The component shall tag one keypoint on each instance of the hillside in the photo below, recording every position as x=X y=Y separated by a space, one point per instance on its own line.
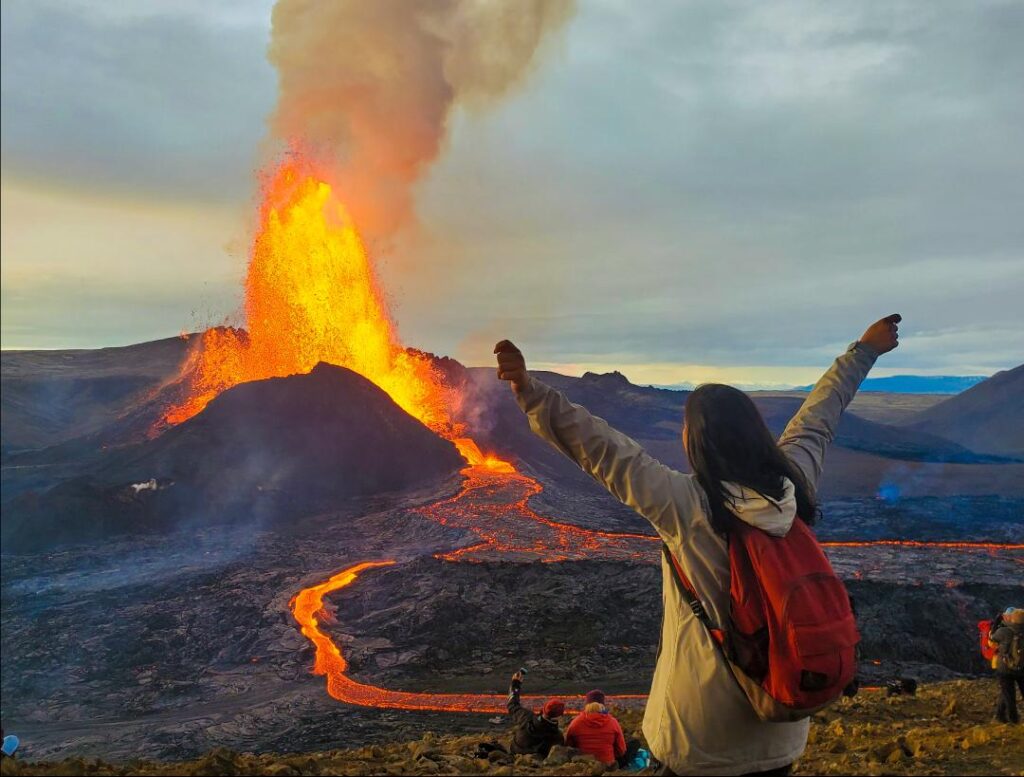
x=988 y=418
x=945 y=729
x=50 y=397
x=94 y=408
x=259 y=451
x=866 y=458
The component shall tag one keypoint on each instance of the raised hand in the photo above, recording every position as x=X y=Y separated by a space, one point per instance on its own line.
x=511 y=365
x=884 y=334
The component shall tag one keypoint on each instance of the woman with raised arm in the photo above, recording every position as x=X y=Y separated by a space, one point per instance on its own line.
x=698 y=720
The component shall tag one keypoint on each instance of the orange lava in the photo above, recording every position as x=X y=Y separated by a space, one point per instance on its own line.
x=933 y=544
x=332 y=664
x=494 y=505
x=311 y=295
x=471 y=452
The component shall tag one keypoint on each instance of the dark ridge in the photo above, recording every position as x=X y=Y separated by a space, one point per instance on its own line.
x=987 y=418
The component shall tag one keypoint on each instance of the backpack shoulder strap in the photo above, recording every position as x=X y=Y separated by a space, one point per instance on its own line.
x=689 y=594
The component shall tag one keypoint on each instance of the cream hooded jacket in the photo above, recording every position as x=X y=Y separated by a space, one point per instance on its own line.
x=698 y=721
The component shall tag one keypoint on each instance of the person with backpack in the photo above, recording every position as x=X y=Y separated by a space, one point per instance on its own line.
x=1008 y=641
x=730 y=693
x=533 y=734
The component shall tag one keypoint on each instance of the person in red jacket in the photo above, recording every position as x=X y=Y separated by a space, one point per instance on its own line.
x=595 y=732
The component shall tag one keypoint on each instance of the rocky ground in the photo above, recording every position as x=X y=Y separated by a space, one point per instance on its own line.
x=432 y=626
x=142 y=648
x=166 y=648
x=946 y=728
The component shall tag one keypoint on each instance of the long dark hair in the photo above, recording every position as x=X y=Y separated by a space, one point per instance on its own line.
x=728 y=440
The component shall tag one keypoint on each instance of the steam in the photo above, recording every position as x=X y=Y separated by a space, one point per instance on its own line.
x=478 y=402
x=367 y=87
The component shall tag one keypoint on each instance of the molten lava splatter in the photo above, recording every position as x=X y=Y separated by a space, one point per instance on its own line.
x=311 y=295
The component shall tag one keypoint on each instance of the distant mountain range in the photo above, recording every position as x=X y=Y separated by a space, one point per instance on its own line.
x=918 y=384
x=896 y=384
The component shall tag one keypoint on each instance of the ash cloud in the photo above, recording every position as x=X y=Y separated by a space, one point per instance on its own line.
x=368 y=88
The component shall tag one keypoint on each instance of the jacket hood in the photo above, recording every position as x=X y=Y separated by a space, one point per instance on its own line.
x=597 y=720
x=769 y=515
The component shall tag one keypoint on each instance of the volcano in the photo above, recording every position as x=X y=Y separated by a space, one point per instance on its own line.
x=269 y=449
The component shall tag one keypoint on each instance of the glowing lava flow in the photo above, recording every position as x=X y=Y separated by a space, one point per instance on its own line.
x=932 y=544
x=494 y=506
x=330 y=662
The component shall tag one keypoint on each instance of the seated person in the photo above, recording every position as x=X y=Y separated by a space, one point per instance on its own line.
x=533 y=734
x=598 y=733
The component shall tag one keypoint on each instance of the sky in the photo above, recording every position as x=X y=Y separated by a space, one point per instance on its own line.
x=683 y=191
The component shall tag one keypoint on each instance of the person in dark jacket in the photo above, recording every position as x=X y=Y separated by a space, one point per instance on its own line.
x=1008 y=640
x=533 y=734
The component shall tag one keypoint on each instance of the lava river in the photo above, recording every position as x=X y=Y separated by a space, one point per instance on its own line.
x=493 y=504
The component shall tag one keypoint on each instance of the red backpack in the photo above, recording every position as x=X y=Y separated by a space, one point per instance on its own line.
x=988 y=650
x=791 y=638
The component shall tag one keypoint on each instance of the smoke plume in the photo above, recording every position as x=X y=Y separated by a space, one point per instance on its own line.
x=366 y=87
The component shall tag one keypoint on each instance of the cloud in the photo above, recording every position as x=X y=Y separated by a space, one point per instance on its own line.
x=745 y=183
x=86 y=271
x=724 y=184
x=160 y=99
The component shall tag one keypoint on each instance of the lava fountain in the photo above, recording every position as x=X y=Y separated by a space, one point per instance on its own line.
x=311 y=295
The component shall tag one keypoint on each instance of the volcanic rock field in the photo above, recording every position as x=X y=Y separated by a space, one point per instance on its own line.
x=148 y=574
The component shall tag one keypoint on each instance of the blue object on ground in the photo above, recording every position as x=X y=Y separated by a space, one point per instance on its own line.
x=10 y=744
x=641 y=760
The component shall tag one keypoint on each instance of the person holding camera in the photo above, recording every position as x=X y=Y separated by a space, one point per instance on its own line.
x=533 y=734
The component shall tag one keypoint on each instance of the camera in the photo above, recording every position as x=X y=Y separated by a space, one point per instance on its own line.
x=901 y=686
